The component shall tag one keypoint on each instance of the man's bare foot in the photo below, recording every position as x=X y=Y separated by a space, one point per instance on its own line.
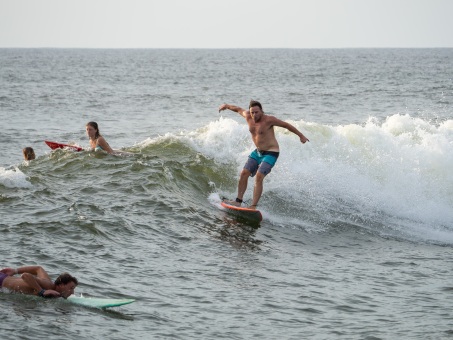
x=253 y=207
x=236 y=204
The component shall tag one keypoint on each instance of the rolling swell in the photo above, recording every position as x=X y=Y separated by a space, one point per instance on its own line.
x=104 y=196
x=349 y=177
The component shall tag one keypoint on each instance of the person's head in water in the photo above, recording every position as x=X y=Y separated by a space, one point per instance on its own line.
x=92 y=130
x=29 y=153
x=65 y=285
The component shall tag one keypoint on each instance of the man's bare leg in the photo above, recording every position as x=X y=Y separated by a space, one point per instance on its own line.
x=257 y=190
x=242 y=185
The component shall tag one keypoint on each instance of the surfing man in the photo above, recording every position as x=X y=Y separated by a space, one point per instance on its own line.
x=34 y=280
x=263 y=158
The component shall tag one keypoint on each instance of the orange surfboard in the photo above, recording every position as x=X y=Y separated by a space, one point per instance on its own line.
x=247 y=213
x=56 y=145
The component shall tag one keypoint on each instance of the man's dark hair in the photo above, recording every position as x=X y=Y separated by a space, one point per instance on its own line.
x=65 y=278
x=255 y=103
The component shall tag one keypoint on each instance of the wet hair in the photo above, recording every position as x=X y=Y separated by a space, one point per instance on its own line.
x=29 y=153
x=95 y=126
x=65 y=278
x=255 y=103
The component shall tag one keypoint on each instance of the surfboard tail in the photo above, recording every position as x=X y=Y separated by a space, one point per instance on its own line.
x=247 y=213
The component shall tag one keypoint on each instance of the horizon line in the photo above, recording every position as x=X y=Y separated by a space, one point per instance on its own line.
x=223 y=48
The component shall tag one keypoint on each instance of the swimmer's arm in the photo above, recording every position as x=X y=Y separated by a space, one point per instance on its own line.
x=9 y=271
x=32 y=282
x=104 y=145
x=34 y=270
x=41 y=287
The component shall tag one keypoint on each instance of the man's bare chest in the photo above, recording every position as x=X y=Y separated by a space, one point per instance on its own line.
x=260 y=129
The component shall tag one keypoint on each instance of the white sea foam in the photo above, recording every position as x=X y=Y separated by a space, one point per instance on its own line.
x=398 y=168
x=396 y=172
x=13 y=178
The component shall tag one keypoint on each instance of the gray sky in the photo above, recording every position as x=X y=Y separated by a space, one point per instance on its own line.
x=226 y=23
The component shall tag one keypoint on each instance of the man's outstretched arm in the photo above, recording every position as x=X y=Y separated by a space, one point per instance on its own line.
x=234 y=108
x=290 y=128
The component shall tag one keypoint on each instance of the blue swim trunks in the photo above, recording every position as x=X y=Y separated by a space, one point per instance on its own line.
x=261 y=161
x=2 y=277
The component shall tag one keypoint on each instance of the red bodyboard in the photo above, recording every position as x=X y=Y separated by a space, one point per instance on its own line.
x=55 y=145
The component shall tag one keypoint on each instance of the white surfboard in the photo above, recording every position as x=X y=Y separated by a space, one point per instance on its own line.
x=98 y=302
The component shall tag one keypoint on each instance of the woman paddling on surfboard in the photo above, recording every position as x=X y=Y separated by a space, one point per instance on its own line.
x=97 y=142
x=263 y=158
x=34 y=280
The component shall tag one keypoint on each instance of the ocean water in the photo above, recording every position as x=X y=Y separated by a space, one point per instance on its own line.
x=357 y=236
